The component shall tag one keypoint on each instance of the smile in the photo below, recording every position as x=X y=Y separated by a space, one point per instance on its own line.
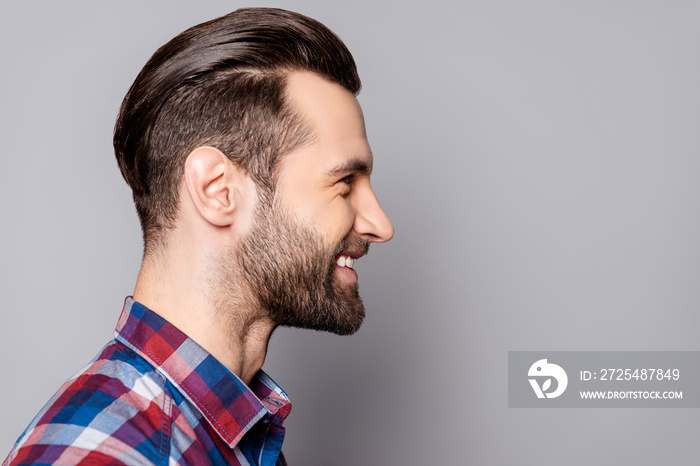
x=345 y=261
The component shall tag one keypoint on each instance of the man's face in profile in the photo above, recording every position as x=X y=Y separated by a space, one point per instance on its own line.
x=298 y=258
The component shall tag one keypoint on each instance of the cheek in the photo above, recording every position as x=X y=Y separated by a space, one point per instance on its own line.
x=340 y=219
x=329 y=213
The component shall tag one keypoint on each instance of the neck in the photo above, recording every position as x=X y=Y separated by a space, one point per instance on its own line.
x=222 y=321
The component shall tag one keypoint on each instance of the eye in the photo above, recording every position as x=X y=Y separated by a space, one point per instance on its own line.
x=345 y=184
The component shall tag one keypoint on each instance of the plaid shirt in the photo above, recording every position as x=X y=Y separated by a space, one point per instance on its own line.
x=153 y=396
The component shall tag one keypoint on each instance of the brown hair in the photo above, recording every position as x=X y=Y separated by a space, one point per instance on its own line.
x=220 y=83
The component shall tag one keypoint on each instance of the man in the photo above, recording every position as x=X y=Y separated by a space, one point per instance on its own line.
x=246 y=152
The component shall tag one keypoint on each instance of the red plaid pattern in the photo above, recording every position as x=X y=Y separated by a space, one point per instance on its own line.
x=153 y=396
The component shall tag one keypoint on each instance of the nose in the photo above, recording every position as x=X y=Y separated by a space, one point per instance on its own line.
x=370 y=220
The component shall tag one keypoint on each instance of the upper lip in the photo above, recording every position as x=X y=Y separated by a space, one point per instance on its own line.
x=353 y=254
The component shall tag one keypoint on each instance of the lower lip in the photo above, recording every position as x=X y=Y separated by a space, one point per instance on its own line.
x=347 y=273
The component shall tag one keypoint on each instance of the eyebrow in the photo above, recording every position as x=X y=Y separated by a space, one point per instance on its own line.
x=355 y=165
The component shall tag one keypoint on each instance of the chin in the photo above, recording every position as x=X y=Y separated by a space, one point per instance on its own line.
x=342 y=316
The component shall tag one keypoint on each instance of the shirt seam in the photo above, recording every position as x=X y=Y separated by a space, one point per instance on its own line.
x=166 y=423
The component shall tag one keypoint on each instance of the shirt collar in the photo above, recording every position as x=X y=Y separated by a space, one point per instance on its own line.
x=225 y=401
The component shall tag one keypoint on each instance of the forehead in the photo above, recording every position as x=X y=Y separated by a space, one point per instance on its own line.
x=334 y=116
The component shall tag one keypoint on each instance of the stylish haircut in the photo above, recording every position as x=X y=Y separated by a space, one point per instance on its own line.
x=222 y=84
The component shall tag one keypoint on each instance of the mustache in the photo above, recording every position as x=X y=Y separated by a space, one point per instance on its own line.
x=353 y=243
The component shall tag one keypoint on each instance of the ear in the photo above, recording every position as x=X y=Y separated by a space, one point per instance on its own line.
x=211 y=181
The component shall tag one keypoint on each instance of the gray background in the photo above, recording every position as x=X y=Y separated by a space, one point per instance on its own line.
x=539 y=160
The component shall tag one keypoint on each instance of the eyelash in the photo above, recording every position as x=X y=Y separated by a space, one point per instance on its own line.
x=346 y=180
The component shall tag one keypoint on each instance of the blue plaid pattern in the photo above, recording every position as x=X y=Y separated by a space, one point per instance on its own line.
x=153 y=396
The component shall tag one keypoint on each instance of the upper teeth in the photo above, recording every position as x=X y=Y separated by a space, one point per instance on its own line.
x=345 y=261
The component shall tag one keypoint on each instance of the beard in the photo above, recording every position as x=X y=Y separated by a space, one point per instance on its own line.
x=288 y=269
